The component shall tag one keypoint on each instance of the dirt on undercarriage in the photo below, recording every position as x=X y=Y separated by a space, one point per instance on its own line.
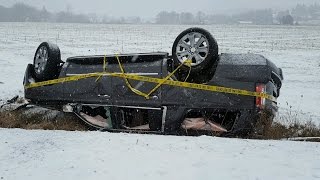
x=40 y=118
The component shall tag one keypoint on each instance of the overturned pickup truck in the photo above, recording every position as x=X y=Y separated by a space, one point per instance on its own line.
x=193 y=90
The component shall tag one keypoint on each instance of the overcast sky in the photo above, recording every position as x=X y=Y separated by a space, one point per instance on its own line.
x=149 y=8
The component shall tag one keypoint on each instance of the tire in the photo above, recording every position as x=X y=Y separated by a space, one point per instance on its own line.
x=46 y=61
x=198 y=45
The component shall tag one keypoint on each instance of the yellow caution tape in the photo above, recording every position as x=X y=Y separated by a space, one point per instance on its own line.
x=136 y=91
x=188 y=62
x=158 y=81
x=195 y=86
x=61 y=80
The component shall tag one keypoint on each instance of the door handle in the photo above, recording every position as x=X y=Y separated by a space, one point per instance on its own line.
x=154 y=97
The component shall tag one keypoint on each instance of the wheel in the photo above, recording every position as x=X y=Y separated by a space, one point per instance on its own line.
x=195 y=44
x=46 y=61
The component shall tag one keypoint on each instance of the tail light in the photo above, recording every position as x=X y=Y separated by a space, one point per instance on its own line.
x=260 y=102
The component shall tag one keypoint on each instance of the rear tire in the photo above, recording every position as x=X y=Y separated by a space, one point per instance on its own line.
x=46 y=61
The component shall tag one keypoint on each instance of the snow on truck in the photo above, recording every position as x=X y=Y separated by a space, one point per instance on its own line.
x=195 y=89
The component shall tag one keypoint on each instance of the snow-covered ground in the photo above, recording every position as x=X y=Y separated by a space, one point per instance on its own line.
x=94 y=155
x=295 y=49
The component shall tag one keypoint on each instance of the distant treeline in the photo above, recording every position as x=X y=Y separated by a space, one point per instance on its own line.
x=21 y=12
x=264 y=16
x=24 y=13
x=255 y=17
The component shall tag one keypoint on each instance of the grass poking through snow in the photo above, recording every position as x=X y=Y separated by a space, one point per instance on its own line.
x=67 y=122
x=295 y=129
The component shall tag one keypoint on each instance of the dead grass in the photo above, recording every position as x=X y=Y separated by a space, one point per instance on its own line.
x=67 y=122
x=290 y=127
x=295 y=129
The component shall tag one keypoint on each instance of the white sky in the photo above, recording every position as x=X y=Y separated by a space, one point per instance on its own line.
x=149 y=8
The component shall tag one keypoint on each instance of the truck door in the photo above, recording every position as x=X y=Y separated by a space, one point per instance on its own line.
x=88 y=90
x=141 y=65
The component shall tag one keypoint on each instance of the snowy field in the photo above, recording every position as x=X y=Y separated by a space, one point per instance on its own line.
x=295 y=49
x=95 y=155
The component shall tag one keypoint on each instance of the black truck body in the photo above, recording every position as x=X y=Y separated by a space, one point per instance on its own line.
x=168 y=106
